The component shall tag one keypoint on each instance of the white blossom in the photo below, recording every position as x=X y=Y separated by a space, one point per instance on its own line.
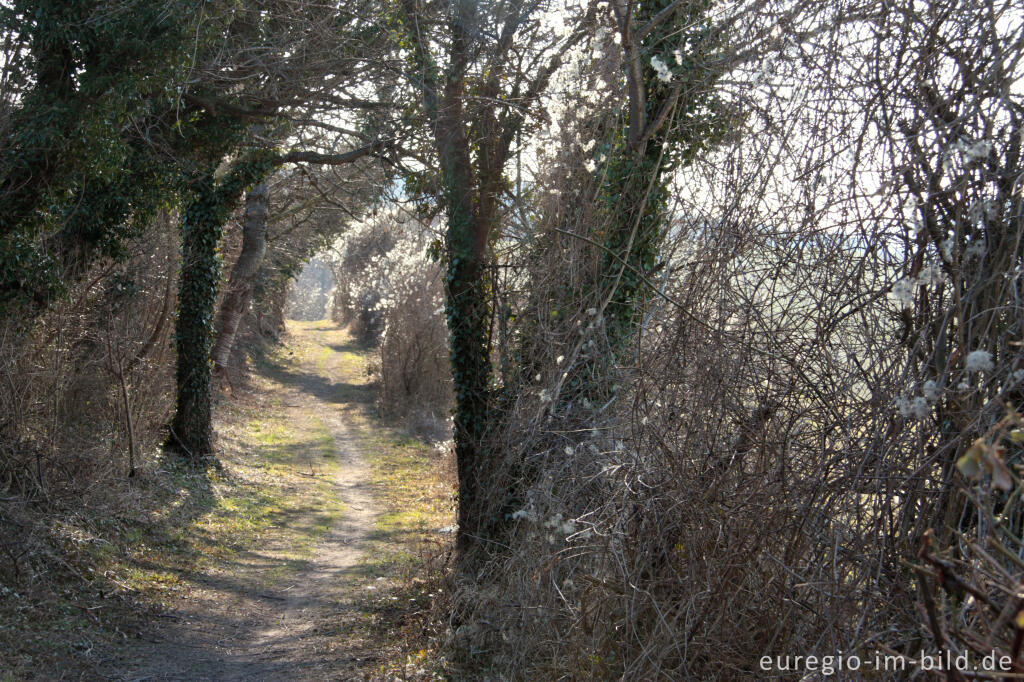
x=557 y=24
x=973 y=151
x=919 y=408
x=932 y=275
x=903 y=405
x=918 y=225
x=978 y=361
x=903 y=292
x=913 y=408
x=524 y=514
x=555 y=521
x=664 y=75
x=976 y=249
x=946 y=250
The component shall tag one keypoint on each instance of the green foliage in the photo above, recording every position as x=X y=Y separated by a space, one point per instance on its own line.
x=100 y=133
x=210 y=205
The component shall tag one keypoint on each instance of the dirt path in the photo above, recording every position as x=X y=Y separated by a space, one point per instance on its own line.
x=274 y=612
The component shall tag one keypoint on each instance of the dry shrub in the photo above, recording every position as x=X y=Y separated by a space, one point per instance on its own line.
x=69 y=373
x=970 y=583
x=388 y=290
x=415 y=380
x=85 y=395
x=357 y=294
x=836 y=322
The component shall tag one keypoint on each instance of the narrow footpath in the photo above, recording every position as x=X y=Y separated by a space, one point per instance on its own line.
x=318 y=551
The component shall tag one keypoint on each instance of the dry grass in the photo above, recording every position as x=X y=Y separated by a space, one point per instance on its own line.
x=152 y=544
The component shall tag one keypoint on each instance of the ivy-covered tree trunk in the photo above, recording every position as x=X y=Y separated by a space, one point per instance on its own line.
x=254 y=248
x=472 y=138
x=468 y=313
x=635 y=198
x=673 y=113
x=201 y=229
x=467 y=304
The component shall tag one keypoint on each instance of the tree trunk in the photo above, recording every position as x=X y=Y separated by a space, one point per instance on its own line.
x=201 y=229
x=472 y=184
x=468 y=315
x=254 y=247
x=470 y=220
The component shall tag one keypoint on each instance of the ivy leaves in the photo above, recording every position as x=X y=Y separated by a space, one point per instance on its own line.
x=210 y=205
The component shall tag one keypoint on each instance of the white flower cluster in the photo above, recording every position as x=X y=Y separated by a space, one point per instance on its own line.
x=388 y=276
x=577 y=94
x=973 y=151
x=967 y=151
x=919 y=407
x=976 y=249
x=556 y=524
x=524 y=515
x=978 y=361
x=904 y=290
x=946 y=249
x=916 y=408
x=661 y=69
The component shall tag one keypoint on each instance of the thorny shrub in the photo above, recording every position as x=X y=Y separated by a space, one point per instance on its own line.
x=836 y=324
x=389 y=290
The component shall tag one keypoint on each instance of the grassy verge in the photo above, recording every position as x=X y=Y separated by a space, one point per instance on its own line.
x=412 y=546
x=100 y=576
